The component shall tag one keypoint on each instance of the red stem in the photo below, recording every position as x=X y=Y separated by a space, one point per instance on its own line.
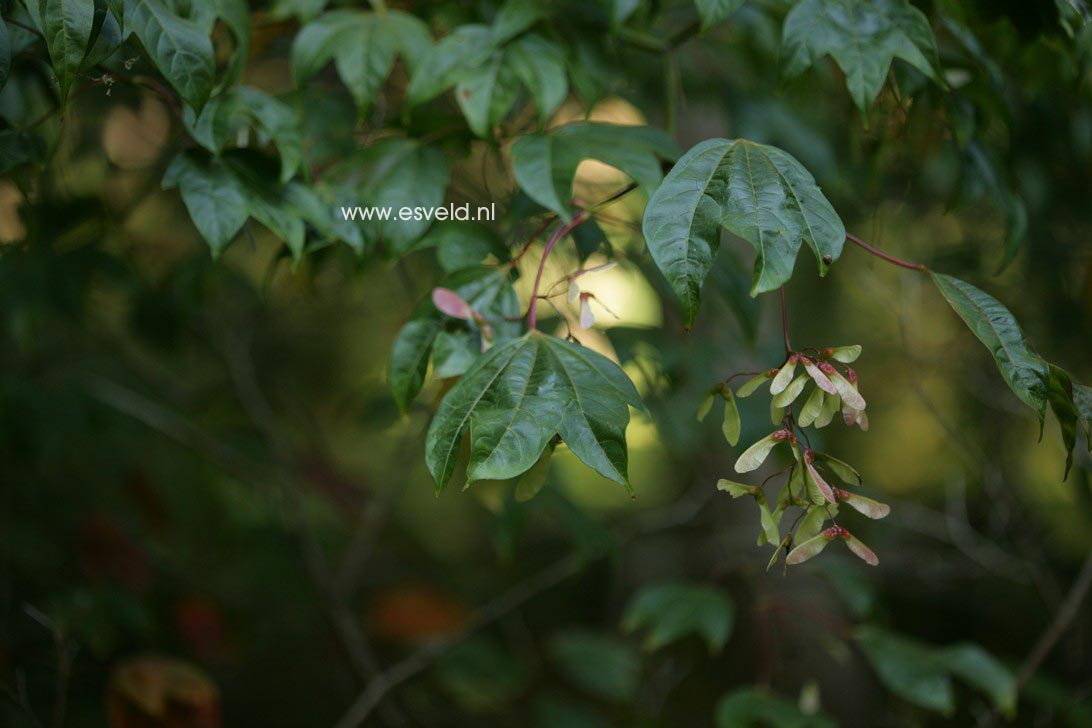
x=785 y=320
x=527 y=246
x=884 y=256
x=562 y=231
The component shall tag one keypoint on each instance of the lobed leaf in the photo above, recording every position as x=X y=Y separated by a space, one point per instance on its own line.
x=519 y=396
x=242 y=107
x=462 y=244
x=487 y=291
x=977 y=667
x=1060 y=397
x=755 y=191
x=177 y=47
x=396 y=172
x=363 y=47
x=545 y=164
x=216 y=199
x=863 y=37
x=67 y=28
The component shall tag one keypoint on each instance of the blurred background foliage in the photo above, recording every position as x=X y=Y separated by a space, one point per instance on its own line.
x=214 y=513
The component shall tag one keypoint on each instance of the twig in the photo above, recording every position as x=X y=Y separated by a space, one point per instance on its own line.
x=501 y=606
x=420 y=660
x=1062 y=621
x=884 y=256
x=53 y=112
x=559 y=233
x=241 y=367
x=785 y=320
x=530 y=241
x=581 y=217
x=612 y=198
x=179 y=429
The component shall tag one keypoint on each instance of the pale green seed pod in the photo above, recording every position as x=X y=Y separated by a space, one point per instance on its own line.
x=777 y=552
x=812 y=522
x=810 y=548
x=796 y=484
x=864 y=553
x=769 y=523
x=789 y=394
x=705 y=406
x=865 y=506
x=841 y=468
x=753 y=457
x=751 y=385
x=821 y=380
x=784 y=375
x=832 y=404
x=813 y=407
x=735 y=489
x=845 y=354
x=848 y=392
x=819 y=490
x=732 y=425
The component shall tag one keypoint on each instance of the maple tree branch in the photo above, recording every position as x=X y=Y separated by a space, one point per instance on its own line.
x=884 y=256
x=1062 y=621
x=785 y=320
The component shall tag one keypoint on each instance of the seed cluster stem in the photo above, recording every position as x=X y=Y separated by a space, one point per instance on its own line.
x=558 y=234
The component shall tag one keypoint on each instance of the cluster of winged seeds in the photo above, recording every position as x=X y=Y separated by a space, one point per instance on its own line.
x=808 y=492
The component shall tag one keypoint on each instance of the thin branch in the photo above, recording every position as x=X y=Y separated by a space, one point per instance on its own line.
x=1062 y=621
x=501 y=606
x=420 y=660
x=182 y=431
x=612 y=198
x=236 y=351
x=59 y=107
x=562 y=231
x=530 y=241
x=581 y=217
x=785 y=320
x=884 y=256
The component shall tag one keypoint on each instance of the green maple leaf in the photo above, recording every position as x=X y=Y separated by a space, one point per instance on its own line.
x=522 y=394
x=863 y=37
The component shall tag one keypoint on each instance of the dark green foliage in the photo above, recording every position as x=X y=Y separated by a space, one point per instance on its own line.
x=224 y=389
